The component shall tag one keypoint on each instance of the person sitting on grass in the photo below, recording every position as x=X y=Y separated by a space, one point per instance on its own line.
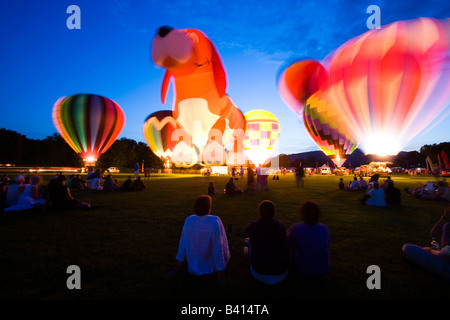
x=126 y=186
x=110 y=185
x=231 y=188
x=363 y=183
x=268 y=247
x=309 y=242
x=59 y=196
x=212 y=189
x=15 y=190
x=375 y=196
x=203 y=243
x=393 y=195
x=433 y=260
x=77 y=183
x=137 y=184
x=341 y=184
x=354 y=184
x=30 y=197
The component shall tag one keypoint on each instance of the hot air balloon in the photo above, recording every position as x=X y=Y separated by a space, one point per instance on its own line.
x=299 y=80
x=391 y=84
x=200 y=103
x=158 y=129
x=261 y=135
x=328 y=128
x=89 y=123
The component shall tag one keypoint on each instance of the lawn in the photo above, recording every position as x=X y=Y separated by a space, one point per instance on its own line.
x=126 y=246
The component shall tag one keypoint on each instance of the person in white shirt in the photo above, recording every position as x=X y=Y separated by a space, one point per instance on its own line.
x=203 y=243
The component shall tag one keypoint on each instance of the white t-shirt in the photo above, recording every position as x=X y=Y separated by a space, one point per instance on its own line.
x=203 y=244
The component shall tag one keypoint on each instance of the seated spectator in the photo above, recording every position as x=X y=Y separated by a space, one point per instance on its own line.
x=110 y=185
x=126 y=186
x=375 y=196
x=386 y=182
x=341 y=184
x=231 y=187
x=77 y=183
x=14 y=190
x=69 y=181
x=392 y=195
x=212 y=189
x=268 y=247
x=309 y=241
x=363 y=183
x=433 y=260
x=137 y=184
x=442 y=192
x=374 y=178
x=59 y=196
x=427 y=192
x=30 y=197
x=203 y=243
x=354 y=185
x=93 y=180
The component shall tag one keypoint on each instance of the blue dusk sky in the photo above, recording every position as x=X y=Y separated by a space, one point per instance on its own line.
x=42 y=60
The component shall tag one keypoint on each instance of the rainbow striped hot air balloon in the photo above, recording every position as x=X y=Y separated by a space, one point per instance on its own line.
x=89 y=123
x=261 y=135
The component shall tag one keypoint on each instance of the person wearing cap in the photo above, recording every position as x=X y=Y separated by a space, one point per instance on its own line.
x=14 y=190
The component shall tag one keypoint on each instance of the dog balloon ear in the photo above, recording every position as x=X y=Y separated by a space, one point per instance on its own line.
x=218 y=71
x=165 y=86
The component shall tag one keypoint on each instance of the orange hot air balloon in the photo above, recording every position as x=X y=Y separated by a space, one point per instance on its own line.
x=299 y=81
x=261 y=135
x=200 y=104
x=89 y=123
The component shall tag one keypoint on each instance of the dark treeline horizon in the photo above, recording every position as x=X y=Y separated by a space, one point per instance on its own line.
x=53 y=151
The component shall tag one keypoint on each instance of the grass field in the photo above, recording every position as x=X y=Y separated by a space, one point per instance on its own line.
x=125 y=247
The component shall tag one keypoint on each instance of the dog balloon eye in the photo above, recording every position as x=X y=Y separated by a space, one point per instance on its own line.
x=164 y=30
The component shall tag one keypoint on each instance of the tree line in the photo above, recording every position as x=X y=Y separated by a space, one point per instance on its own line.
x=53 y=151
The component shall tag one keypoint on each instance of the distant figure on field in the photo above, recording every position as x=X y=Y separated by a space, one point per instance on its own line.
x=212 y=189
x=299 y=175
x=231 y=188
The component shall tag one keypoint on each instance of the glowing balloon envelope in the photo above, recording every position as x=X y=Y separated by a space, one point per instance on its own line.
x=328 y=128
x=392 y=83
x=89 y=123
x=261 y=135
x=389 y=84
x=200 y=104
x=158 y=129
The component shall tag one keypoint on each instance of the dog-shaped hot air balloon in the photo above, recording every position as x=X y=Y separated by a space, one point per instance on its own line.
x=200 y=104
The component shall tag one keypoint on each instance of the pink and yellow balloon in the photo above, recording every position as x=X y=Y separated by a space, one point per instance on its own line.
x=262 y=130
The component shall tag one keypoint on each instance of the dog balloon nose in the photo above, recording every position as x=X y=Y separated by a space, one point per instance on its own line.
x=164 y=31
